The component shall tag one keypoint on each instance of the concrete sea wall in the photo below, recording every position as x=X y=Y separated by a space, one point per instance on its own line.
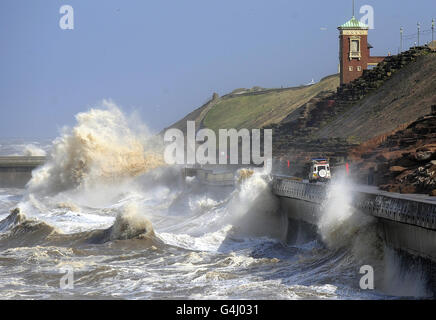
x=15 y=172
x=405 y=223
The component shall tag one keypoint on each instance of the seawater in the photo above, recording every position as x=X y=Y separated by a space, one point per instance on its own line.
x=128 y=226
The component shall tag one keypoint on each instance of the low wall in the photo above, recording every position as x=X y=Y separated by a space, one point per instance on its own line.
x=15 y=172
x=209 y=177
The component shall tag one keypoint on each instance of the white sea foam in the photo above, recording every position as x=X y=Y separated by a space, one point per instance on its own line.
x=32 y=150
x=106 y=172
x=101 y=148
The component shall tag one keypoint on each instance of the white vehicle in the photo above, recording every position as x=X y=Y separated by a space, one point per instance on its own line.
x=319 y=171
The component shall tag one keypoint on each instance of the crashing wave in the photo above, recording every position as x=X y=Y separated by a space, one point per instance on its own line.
x=102 y=148
x=130 y=224
x=18 y=230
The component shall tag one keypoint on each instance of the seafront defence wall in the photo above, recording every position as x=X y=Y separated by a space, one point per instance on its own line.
x=211 y=178
x=404 y=223
x=15 y=172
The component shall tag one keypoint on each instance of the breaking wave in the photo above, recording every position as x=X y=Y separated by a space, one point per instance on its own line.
x=19 y=147
x=19 y=230
x=345 y=229
x=131 y=224
x=101 y=148
x=341 y=225
x=106 y=205
x=31 y=150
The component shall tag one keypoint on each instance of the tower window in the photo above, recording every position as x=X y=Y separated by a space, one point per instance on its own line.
x=350 y=68
x=359 y=68
x=355 y=46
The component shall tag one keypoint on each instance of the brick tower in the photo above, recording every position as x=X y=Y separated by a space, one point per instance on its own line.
x=354 y=50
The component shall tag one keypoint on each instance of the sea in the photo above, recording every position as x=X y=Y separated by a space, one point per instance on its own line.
x=106 y=218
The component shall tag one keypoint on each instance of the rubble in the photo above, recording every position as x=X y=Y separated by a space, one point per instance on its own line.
x=406 y=161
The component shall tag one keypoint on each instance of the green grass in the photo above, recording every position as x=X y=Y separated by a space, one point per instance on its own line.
x=256 y=111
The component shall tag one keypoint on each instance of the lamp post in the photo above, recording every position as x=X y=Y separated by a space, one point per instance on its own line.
x=419 y=30
x=432 y=30
x=401 y=39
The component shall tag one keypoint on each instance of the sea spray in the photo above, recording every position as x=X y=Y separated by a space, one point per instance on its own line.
x=91 y=171
x=101 y=148
x=340 y=222
x=213 y=264
x=344 y=227
x=250 y=211
x=253 y=207
x=21 y=147
x=214 y=246
x=404 y=275
x=131 y=223
x=30 y=150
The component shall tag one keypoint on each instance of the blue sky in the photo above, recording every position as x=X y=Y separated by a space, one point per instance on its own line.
x=164 y=58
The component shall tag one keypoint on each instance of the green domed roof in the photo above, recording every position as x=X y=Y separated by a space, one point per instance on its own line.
x=353 y=24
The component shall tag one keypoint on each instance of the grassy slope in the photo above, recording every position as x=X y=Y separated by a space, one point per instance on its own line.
x=197 y=115
x=257 y=110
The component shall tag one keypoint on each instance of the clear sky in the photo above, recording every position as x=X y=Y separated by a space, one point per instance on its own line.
x=164 y=58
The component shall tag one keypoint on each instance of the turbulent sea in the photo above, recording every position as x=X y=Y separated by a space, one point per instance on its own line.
x=106 y=210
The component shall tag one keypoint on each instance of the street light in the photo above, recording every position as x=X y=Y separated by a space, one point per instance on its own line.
x=401 y=39
x=432 y=30
x=419 y=29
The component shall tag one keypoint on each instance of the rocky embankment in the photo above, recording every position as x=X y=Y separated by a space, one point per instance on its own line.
x=372 y=108
x=404 y=161
x=301 y=127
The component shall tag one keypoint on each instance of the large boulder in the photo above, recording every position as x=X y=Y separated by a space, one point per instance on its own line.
x=405 y=161
x=423 y=155
x=397 y=169
x=390 y=187
x=408 y=188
